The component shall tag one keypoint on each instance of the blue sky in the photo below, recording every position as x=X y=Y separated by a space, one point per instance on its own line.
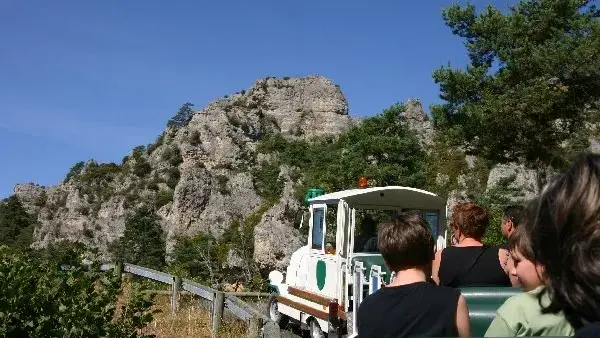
x=93 y=79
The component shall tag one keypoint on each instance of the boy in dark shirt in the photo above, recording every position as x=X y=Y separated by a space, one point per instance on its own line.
x=409 y=306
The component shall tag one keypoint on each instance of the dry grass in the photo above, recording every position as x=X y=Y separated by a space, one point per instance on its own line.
x=191 y=320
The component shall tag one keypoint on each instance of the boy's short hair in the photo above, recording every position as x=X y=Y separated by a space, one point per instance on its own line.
x=405 y=241
x=521 y=241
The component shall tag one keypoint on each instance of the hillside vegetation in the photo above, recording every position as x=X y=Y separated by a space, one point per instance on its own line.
x=55 y=295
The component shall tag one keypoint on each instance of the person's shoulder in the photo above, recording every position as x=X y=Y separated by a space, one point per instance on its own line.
x=448 y=251
x=373 y=299
x=444 y=289
x=520 y=304
x=441 y=292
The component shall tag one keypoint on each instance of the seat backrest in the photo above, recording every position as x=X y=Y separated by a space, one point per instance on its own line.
x=483 y=302
x=370 y=259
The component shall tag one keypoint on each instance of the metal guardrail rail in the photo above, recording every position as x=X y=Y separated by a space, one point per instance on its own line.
x=259 y=325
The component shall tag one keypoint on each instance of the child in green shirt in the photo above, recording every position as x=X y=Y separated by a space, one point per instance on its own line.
x=521 y=315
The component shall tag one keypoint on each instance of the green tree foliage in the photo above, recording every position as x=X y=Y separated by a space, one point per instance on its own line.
x=532 y=84
x=182 y=117
x=63 y=298
x=267 y=182
x=381 y=147
x=204 y=258
x=143 y=241
x=75 y=170
x=198 y=257
x=97 y=173
x=494 y=200
x=239 y=240
x=172 y=155
x=16 y=225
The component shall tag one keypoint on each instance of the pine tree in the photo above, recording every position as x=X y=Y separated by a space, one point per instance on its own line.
x=142 y=242
x=530 y=93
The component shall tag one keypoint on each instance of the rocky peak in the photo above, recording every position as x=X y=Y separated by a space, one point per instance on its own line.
x=417 y=120
x=31 y=195
x=296 y=107
x=414 y=111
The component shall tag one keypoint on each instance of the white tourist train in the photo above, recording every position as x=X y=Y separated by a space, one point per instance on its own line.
x=326 y=280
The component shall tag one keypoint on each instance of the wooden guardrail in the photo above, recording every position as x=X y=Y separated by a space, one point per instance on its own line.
x=259 y=325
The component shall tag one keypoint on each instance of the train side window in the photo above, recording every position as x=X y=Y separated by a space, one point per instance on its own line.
x=317 y=228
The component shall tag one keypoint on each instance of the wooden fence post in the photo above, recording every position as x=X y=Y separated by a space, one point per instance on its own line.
x=175 y=293
x=217 y=311
x=119 y=269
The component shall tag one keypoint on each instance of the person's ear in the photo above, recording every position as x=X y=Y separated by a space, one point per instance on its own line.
x=541 y=272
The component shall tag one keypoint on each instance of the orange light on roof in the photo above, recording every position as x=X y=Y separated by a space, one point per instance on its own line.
x=363 y=182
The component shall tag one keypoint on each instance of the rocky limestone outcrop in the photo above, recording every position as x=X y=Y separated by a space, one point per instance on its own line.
x=518 y=178
x=275 y=238
x=31 y=195
x=417 y=120
x=320 y=107
x=197 y=174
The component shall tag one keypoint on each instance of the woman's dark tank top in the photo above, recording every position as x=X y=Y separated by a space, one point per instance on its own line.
x=485 y=272
x=419 y=309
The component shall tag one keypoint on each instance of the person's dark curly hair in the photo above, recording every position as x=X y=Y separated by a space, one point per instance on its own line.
x=564 y=224
x=471 y=219
x=513 y=213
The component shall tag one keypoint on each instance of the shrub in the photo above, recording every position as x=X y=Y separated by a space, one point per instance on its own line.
x=75 y=170
x=173 y=177
x=172 y=155
x=142 y=242
x=197 y=257
x=222 y=185
x=43 y=297
x=194 y=138
x=267 y=181
x=138 y=152
x=141 y=167
x=163 y=197
x=16 y=225
x=159 y=141
x=239 y=237
x=96 y=173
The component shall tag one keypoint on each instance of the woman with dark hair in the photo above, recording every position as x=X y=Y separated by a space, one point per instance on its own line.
x=470 y=262
x=565 y=235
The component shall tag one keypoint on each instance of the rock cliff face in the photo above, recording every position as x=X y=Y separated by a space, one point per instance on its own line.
x=197 y=174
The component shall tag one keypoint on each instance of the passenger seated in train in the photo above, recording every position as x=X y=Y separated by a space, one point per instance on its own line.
x=409 y=306
x=522 y=315
x=368 y=236
x=565 y=236
x=470 y=262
